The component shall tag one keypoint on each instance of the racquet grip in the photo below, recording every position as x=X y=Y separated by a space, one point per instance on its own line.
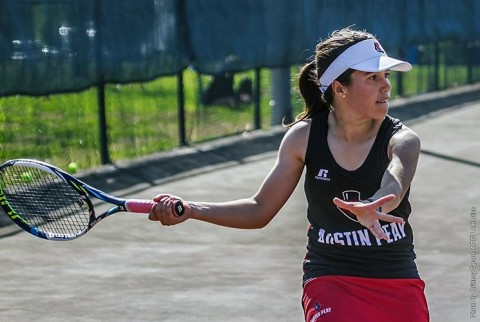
x=140 y=206
x=143 y=206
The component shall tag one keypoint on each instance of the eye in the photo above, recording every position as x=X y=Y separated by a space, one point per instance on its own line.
x=373 y=77
x=387 y=74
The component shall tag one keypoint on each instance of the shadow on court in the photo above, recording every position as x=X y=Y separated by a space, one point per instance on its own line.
x=129 y=269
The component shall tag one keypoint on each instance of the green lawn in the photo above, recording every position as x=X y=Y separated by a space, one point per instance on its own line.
x=141 y=119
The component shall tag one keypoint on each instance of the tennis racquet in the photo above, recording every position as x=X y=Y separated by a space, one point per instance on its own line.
x=51 y=204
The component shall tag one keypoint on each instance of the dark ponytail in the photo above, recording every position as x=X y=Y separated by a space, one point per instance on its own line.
x=310 y=91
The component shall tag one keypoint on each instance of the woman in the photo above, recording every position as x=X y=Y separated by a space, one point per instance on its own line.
x=359 y=162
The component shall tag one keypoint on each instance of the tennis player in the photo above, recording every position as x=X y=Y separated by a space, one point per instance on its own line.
x=359 y=162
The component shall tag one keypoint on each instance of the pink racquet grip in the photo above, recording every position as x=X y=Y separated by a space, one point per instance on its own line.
x=143 y=206
x=140 y=206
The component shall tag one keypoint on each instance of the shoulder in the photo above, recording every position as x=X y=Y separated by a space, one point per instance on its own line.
x=405 y=140
x=295 y=140
x=300 y=126
x=405 y=135
x=298 y=131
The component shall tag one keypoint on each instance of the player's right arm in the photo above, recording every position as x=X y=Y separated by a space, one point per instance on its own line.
x=258 y=210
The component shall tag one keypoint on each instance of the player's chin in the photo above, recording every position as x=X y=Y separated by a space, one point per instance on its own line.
x=381 y=109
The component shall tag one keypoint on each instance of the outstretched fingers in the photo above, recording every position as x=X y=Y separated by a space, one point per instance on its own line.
x=389 y=218
x=377 y=231
x=369 y=214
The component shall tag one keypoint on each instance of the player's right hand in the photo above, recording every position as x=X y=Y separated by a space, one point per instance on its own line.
x=164 y=210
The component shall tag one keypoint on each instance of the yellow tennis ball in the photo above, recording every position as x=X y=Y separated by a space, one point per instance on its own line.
x=72 y=167
x=27 y=177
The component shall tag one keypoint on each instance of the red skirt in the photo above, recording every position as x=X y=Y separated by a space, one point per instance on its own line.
x=359 y=299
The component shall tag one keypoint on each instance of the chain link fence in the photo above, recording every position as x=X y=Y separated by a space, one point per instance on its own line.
x=151 y=97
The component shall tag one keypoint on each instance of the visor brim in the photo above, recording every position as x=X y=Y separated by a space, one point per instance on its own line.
x=382 y=63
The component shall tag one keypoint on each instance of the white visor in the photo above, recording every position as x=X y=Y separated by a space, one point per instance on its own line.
x=367 y=56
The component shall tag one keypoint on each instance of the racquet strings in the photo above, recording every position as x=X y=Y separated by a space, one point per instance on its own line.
x=44 y=200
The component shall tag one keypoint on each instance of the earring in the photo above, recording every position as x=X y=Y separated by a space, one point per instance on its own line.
x=344 y=96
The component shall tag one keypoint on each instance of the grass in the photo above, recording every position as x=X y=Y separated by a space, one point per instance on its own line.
x=143 y=118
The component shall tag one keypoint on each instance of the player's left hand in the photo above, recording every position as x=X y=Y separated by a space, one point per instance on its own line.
x=368 y=215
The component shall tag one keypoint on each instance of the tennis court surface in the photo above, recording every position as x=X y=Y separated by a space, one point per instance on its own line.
x=130 y=269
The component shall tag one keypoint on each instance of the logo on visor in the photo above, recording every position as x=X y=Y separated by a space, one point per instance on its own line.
x=378 y=48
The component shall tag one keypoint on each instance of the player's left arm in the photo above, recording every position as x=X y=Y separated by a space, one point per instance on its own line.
x=403 y=151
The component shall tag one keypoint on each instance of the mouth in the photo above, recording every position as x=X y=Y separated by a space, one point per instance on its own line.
x=382 y=101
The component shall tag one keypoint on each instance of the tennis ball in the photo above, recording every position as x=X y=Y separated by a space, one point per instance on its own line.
x=72 y=167
x=27 y=177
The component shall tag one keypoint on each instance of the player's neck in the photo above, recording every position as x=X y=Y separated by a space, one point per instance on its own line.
x=350 y=128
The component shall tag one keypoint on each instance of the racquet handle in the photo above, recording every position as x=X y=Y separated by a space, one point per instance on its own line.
x=179 y=208
x=143 y=206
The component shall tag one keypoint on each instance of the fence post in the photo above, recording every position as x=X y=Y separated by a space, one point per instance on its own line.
x=281 y=99
x=181 y=109
x=102 y=119
x=401 y=50
x=256 y=97
x=102 y=122
x=436 y=63
x=469 y=51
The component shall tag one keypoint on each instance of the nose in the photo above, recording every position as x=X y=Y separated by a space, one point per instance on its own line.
x=386 y=86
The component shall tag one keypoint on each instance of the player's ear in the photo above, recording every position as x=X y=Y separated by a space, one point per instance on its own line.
x=339 y=89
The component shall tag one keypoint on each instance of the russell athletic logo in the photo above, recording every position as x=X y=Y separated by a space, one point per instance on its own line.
x=322 y=175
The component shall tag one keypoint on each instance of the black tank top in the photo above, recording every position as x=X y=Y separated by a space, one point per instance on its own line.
x=337 y=243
